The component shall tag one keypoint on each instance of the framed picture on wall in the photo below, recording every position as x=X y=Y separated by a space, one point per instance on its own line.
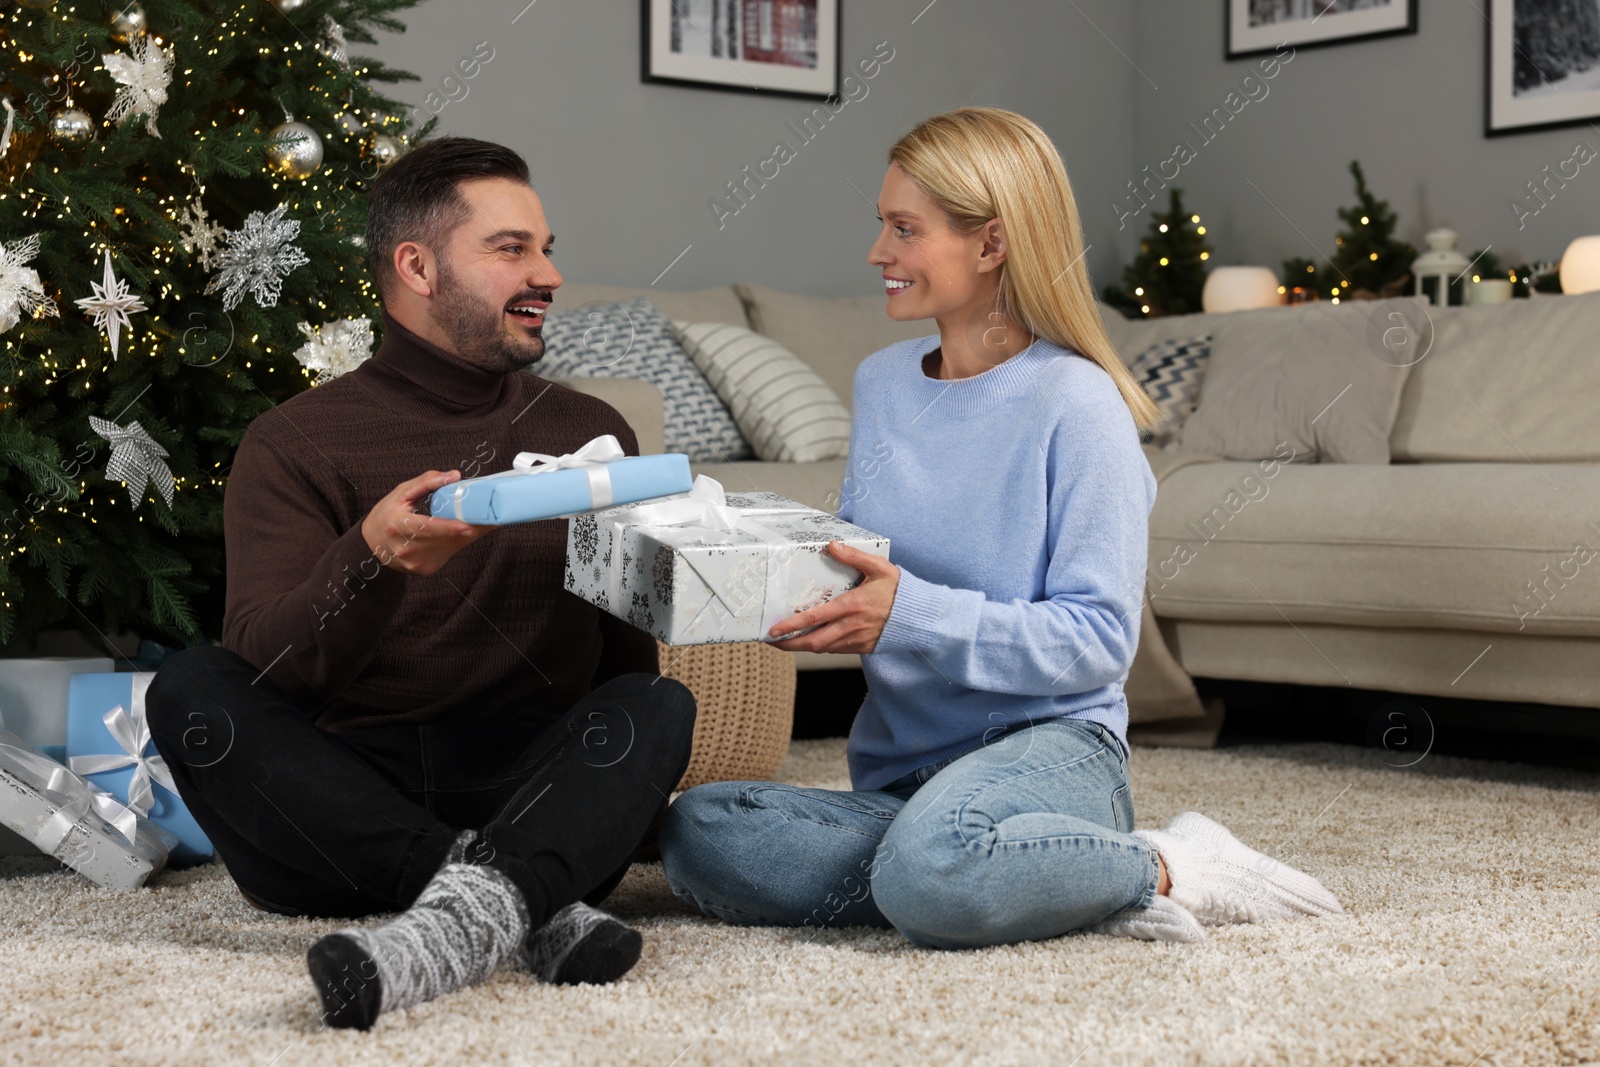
x=1260 y=26
x=1544 y=64
x=784 y=47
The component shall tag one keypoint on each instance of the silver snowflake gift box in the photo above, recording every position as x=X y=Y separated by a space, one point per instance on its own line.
x=709 y=567
x=66 y=817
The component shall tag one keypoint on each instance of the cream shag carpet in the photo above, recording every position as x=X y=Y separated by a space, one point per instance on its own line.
x=1470 y=938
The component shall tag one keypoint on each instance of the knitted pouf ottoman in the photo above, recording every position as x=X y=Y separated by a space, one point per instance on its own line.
x=745 y=694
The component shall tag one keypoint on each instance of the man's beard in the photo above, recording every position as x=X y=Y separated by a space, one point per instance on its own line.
x=479 y=332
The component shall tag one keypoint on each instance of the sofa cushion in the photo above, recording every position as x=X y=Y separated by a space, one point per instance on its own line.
x=832 y=334
x=639 y=404
x=786 y=412
x=1313 y=377
x=634 y=340
x=721 y=304
x=815 y=485
x=1514 y=382
x=1132 y=336
x=1171 y=372
x=1467 y=546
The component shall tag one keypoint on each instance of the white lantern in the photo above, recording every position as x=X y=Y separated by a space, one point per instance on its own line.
x=1240 y=289
x=1437 y=273
x=1580 y=266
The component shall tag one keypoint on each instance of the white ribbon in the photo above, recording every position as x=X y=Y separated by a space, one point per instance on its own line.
x=706 y=506
x=593 y=459
x=72 y=796
x=131 y=732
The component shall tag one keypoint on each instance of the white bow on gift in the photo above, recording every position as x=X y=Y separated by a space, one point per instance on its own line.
x=131 y=732
x=706 y=505
x=593 y=459
x=73 y=797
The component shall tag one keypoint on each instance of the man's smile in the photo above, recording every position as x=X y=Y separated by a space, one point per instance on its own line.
x=529 y=310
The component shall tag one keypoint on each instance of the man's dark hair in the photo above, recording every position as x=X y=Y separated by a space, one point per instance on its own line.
x=416 y=198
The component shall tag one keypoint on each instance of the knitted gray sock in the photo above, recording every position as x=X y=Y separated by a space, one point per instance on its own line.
x=468 y=920
x=581 y=944
x=461 y=850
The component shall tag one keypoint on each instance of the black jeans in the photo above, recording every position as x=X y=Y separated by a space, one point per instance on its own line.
x=317 y=823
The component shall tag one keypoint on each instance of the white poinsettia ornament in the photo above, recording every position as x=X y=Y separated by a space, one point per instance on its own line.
x=20 y=289
x=143 y=74
x=335 y=348
x=258 y=258
x=111 y=305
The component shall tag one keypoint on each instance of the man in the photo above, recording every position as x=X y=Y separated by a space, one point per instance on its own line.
x=409 y=712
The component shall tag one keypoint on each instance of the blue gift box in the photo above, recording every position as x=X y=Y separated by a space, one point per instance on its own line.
x=89 y=698
x=515 y=496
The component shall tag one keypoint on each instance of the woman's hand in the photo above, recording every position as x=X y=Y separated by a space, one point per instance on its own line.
x=850 y=622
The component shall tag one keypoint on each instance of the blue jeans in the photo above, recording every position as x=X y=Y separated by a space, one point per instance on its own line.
x=1024 y=839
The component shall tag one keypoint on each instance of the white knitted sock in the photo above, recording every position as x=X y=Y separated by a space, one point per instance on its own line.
x=1163 y=920
x=1221 y=880
x=581 y=944
x=468 y=920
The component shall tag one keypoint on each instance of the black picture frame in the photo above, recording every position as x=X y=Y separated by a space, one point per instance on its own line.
x=1243 y=42
x=660 y=66
x=1503 y=113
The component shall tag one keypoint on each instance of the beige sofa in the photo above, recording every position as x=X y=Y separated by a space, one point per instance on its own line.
x=1461 y=569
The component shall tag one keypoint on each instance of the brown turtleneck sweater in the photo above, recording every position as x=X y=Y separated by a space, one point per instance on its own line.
x=491 y=636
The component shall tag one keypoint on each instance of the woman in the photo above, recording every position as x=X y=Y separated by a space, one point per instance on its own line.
x=1002 y=459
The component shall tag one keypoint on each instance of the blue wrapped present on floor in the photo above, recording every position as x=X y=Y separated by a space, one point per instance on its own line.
x=108 y=743
x=597 y=476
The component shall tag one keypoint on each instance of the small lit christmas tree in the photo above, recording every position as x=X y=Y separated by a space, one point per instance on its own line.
x=1368 y=263
x=1166 y=277
x=165 y=228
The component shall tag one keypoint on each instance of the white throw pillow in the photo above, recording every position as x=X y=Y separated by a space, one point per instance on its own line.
x=786 y=412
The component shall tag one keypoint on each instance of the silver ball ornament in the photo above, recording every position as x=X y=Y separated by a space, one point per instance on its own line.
x=71 y=128
x=128 y=23
x=383 y=149
x=297 y=158
x=287 y=6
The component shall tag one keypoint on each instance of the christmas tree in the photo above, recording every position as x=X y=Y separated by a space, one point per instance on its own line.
x=1166 y=277
x=182 y=199
x=1368 y=263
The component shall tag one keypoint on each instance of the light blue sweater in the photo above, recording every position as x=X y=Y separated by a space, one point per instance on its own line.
x=1016 y=503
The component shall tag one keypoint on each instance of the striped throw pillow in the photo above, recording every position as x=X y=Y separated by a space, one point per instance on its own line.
x=786 y=412
x=1171 y=372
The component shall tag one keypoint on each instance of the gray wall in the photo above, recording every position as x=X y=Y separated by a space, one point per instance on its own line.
x=626 y=169
x=1410 y=108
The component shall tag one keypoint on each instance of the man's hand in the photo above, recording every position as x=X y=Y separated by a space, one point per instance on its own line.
x=853 y=621
x=413 y=543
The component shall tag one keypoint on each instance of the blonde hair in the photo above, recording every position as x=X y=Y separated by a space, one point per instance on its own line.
x=982 y=163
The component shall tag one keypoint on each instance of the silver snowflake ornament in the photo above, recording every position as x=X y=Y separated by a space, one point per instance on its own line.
x=336 y=347
x=201 y=236
x=143 y=74
x=20 y=289
x=136 y=459
x=257 y=258
x=111 y=305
